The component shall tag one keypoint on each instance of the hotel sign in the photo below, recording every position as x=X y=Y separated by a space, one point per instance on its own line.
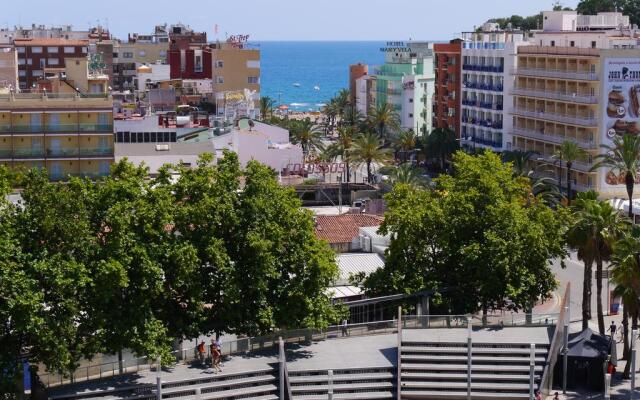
x=395 y=47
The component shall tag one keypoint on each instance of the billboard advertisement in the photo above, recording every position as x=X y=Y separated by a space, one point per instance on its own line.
x=621 y=105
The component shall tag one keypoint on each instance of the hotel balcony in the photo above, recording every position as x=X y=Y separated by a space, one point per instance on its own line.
x=96 y=152
x=562 y=118
x=561 y=74
x=483 y=68
x=36 y=153
x=550 y=159
x=481 y=104
x=562 y=96
x=483 y=86
x=483 y=142
x=558 y=139
x=68 y=176
x=482 y=123
x=97 y=128
x=41 y=153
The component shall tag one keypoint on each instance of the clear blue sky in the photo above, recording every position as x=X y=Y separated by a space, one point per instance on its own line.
x=279 y=19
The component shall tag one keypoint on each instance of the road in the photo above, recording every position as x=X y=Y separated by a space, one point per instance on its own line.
x=574 y=273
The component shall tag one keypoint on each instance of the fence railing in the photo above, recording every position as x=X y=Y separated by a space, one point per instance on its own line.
x=491 y=320
x=546 y=382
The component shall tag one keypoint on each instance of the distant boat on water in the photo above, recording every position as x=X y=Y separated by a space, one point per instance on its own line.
x=316 y=87
x=296 y=84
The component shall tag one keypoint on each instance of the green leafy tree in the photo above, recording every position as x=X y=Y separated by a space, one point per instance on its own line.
x=408 y=175
x=342 y=149
x=368 y=149
x=440 y=145
x=308 y=135
x=520 y=160
x=473 y=235
x=623 y=158
x=266 y=107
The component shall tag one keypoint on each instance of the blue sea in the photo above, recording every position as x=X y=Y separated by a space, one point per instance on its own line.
x=310 y=64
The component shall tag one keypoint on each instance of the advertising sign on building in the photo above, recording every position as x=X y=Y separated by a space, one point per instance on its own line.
x=622 y=110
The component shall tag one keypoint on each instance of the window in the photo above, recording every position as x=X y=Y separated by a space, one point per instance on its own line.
x=142 y=53
x=36 y=49
x=127 y=54
x=23 y=85
x=410 y=115
x=593 y=44
x=22 y=61
x=253 y=64
x=410 y=100
x=52 y=49
x=37 y=72
x=43 y=63
x=255 y=80
x=22 y=73
x=20 y=50
x=219 y=79
x=84 y=50
x=115 y=55
x=553 y=43
x=69 y=50
x=219 y=64
x=198 y=64
x=572 y=44
x=162 y=53
x=53 y=61
x=29 y=61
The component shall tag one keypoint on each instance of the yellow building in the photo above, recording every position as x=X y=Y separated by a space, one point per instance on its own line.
x=69 y=134
x=562 y=93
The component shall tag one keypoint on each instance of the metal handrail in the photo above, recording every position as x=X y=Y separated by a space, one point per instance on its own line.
x=546 y=383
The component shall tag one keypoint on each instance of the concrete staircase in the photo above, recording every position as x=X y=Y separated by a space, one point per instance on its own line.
x=250 y=385
x=346 y=384
x=431 y=370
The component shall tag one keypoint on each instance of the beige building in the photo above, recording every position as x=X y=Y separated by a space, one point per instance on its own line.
x=234 y=69
x=8 y=68
x=577 y=83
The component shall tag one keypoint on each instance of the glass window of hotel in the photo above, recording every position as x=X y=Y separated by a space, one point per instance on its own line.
x=43 y=63
x=29 y=61
x=36 y=49
x=198 y=62
x=219 y=79
x=22 y=73
x=53 y=61
x=253 y=63
x=37 y=72
x=254 y=80
x=22 y=61
x=21 y=50
x=69 y=49
x=219 y=64
x=52 y=49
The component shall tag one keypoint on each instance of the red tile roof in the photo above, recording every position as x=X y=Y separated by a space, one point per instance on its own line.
x=343 y=228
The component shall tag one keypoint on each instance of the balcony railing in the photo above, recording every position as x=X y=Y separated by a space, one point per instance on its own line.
x=6 y=153
x=73 y=152
x=497 y=144
x=482 y=122
x=483 y=68
x=546 y=94
x=550 y=159
x=95 y=128
x=95 y=152
x=483 y=86
x=67 y=177
x=483 y=104
x=549 y=137
x=556 y=73
x=26 y=128
x=562 y=118
x=28 y=153
x=57 y=128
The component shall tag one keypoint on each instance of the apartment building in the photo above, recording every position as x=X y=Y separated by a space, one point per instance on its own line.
x=7 y=35
x=356 y=71
x=406 y=81
x=235 y=68
x=8 y=68
x=34 y=55
x=446 y=103
x=488 y=55
x=579 y=82
x=69 y=134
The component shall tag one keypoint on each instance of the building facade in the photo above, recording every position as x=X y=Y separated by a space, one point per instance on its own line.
x=578 y=83
x=8 y=68
x=488 y=56
x=34 y=55
x=446 y=104
x=68 y=134
x=406 y=81
x=356 y=71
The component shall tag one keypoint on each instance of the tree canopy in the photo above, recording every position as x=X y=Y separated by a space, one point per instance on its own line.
x=475 y=238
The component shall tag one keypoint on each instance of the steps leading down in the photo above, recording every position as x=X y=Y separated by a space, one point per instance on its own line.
x=346 y=384
x=261 y=384
x=437 y=370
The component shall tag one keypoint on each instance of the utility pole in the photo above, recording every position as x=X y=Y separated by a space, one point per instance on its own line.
x=565 y=350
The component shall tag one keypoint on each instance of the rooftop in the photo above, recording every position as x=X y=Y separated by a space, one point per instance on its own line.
x=50 y=42
x=343 y=228
x=353 y=263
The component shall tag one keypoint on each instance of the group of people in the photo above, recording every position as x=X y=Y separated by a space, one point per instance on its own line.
x=215 y=352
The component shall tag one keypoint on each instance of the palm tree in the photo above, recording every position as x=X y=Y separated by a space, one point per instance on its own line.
x=384 y=118
x=569 y=152
x=623 y=158
x=409 y=175
x=597 y=224
x=308 y=136
x=440 y=144
x=342 y=148
x=520 y=160
x=326 y=155
x=625 y=275
x=330 y=111
x=405 y=142
x=545 y=187
x=367 y=148
x=266 y=107
x=342 y=100
x=351 y=116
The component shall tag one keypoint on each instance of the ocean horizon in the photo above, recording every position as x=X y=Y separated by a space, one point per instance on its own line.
x=304 y=75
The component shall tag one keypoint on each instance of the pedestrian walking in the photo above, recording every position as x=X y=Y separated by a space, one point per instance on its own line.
x=201 y=352
x=613 y=328
x=215 y=356
x=345 y=331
